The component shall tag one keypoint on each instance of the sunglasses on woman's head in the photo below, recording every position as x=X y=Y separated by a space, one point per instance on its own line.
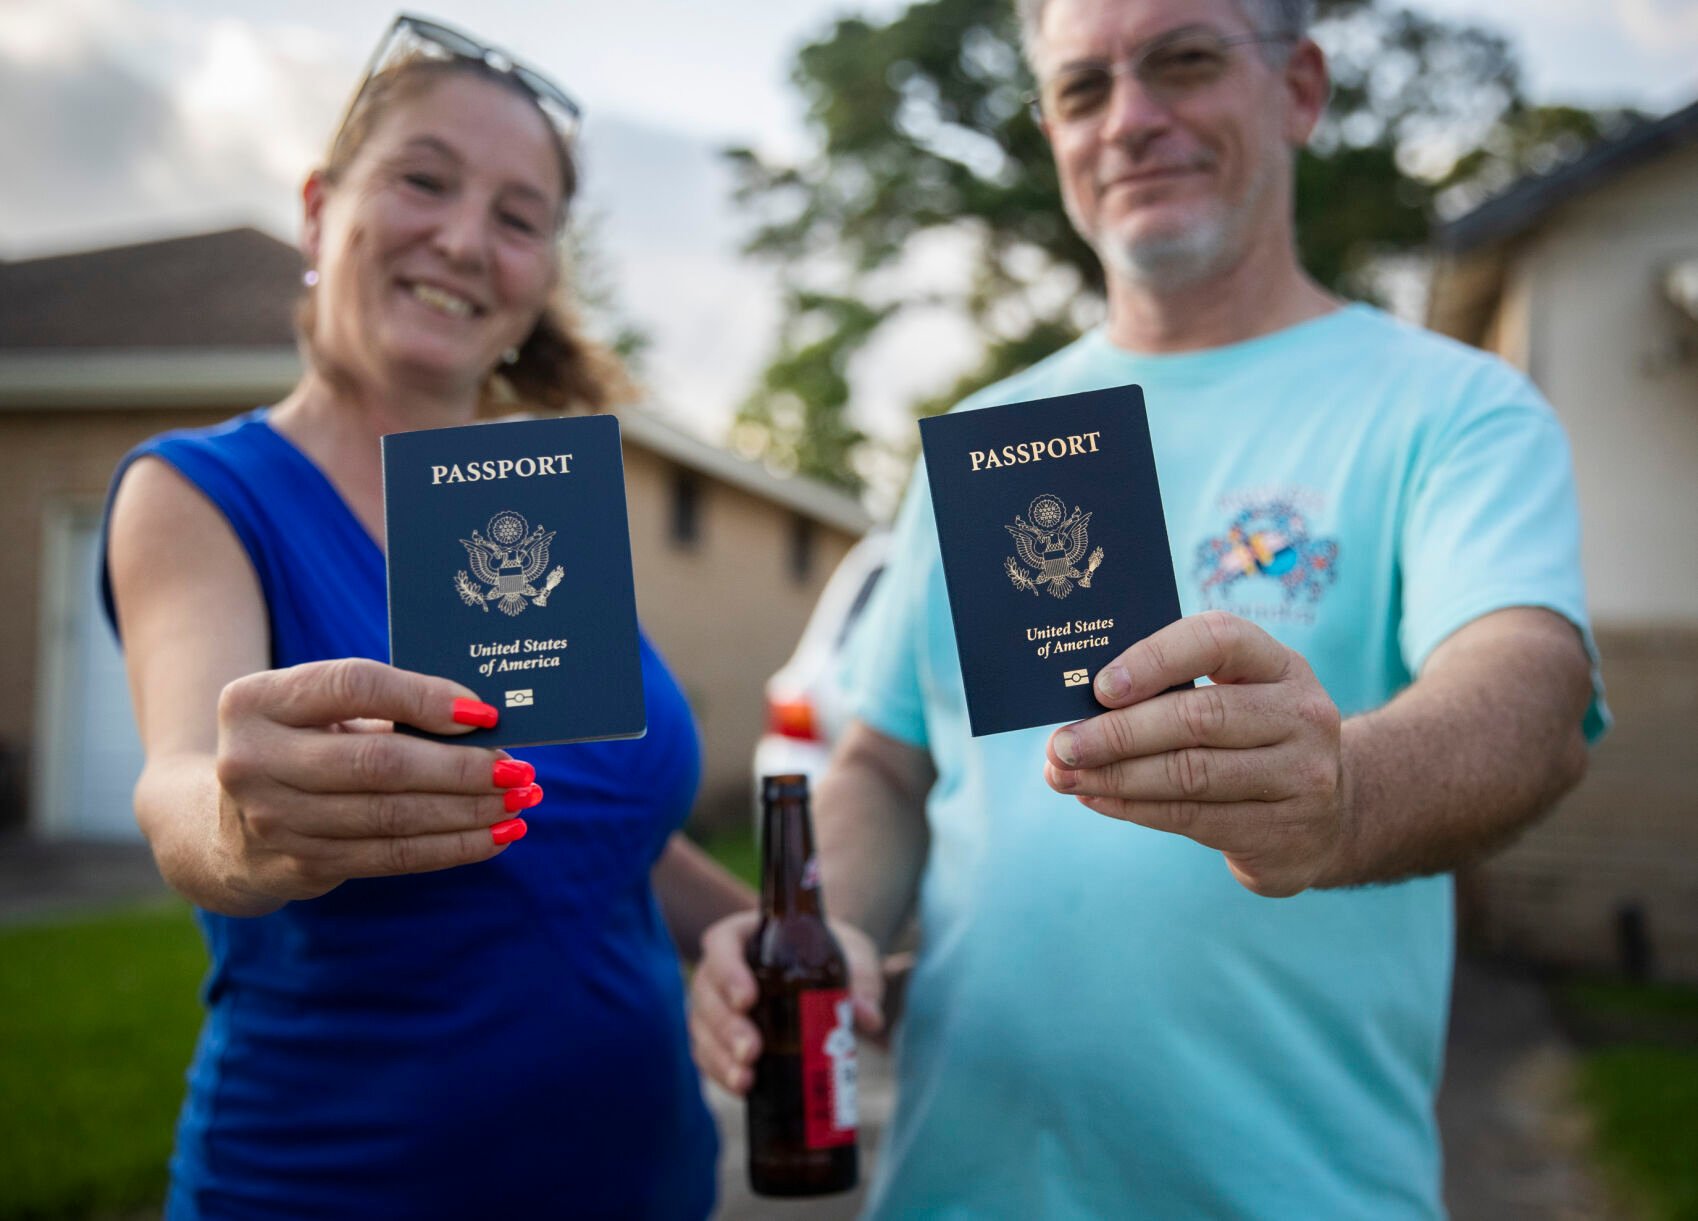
x=418 y=37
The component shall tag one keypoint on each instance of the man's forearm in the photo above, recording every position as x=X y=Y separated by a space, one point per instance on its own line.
x=870 y=815
x=1468 y=756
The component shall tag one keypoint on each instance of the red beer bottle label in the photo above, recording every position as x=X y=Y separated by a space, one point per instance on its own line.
x=828 y=1068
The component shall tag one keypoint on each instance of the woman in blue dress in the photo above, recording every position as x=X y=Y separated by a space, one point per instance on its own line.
x=414 y=1008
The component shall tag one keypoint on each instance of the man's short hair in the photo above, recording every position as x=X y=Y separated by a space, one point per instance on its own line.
x=1288 y=17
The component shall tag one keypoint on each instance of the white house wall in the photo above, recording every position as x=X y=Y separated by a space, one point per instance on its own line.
x=1620 y=363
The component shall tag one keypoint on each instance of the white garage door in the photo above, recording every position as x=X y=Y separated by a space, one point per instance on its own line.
x=87 y=753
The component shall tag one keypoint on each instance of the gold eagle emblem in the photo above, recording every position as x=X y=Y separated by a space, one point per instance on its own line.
x=507 y=563
x=1050 y=547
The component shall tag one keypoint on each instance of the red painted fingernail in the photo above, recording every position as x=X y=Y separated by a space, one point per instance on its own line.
x=475 y=712
x=513 y=773
x=536 y=796
x=518 y=799
x=509 y=831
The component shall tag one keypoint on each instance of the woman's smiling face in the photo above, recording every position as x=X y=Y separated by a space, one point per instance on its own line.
x=436 y=247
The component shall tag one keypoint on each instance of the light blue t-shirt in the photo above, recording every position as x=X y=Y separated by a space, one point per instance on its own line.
x=1103 y=1023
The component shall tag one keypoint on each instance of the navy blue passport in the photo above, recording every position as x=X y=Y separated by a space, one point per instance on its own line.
x=510 y=572
x=1055 y=549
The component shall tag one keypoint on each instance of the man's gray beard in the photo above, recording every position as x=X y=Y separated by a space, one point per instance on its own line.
x=1168 y=261
x=1207 y=248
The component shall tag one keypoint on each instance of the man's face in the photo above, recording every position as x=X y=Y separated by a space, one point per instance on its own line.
x=1172 y=136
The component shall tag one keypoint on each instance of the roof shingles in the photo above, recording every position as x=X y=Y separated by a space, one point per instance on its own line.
x=231 y=289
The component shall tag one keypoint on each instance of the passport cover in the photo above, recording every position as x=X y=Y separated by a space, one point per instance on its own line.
x=1055 y=549
x=510 y=572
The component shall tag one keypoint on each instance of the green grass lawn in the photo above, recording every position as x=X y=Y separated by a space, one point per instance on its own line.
x=98 y=1016
x=1644 y=1105
x=1639 y=1081
x=736 y=850
x=97 y=1023
x=1661 y=1003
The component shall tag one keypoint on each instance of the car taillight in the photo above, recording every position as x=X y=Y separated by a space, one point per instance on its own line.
x=792 y=718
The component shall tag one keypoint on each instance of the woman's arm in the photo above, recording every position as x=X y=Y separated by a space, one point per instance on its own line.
x=258 y=785
x=695 y=891
x=193 y=620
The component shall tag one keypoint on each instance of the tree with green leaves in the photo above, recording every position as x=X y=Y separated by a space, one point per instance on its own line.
x=798 y=421
x=921 y=125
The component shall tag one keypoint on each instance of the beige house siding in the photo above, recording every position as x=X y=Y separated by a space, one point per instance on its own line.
x=1626 y=839
x=51 y=461
x=1605 y=343
x=1580 y=306
x=725 y=610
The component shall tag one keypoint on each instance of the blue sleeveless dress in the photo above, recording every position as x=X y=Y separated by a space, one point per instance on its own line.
x=501 y=1040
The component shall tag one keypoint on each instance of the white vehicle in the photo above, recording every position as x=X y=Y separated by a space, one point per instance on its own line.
x=805 y=702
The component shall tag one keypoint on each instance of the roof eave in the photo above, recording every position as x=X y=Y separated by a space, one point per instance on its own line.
x=118 y=378
x=113 y=378
x=1529 y=201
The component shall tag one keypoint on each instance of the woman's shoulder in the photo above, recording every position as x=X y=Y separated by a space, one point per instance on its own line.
x=167 y=538
x=238 y=439
x=243 y=466
x=211 y=468
x=199 y=491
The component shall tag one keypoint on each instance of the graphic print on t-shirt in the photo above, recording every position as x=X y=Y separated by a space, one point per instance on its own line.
x=1266 y=564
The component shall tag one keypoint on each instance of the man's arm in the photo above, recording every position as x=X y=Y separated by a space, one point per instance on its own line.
x=1481 y=745
x=1259 y=767
x=871 y=815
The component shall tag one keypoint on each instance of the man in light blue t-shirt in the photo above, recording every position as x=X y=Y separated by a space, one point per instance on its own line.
x=1191 y=958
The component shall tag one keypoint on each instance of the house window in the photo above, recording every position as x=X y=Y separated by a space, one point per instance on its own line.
x=686 y=508
x=801 y=548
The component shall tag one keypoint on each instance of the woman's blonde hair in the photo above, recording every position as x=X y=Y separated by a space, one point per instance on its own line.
x=558 y=366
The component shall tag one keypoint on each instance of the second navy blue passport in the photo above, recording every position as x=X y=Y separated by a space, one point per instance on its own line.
x=1055 y=550
x=510 y=572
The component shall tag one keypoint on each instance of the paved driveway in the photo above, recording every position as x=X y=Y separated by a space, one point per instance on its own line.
x=1514 y=1140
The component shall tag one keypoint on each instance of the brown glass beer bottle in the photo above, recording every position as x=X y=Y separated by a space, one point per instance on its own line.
x=801 y=1107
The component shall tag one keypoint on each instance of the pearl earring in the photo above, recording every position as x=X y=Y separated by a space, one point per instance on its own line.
x=309 y=277
x=510 y=356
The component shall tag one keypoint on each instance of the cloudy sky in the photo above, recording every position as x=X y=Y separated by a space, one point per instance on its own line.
x=127 y=119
